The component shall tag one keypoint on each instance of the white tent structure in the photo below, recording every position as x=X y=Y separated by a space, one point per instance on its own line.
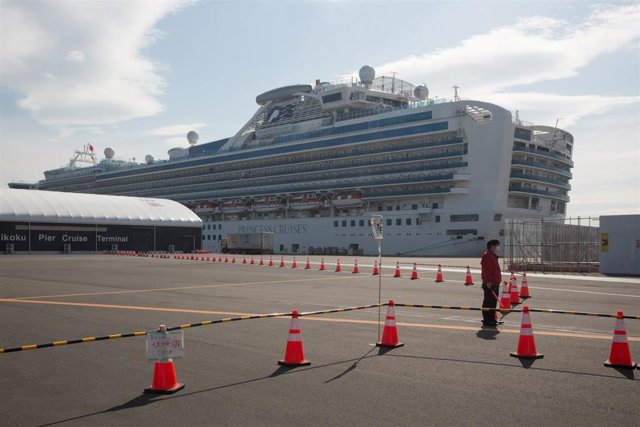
x=81 y=208
x=47 y=220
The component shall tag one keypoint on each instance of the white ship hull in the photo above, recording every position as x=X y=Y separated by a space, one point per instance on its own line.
x=352 y=235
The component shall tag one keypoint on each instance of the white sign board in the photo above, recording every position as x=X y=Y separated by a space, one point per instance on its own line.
x=377 y=227
x=378 y=231
x=165 y=345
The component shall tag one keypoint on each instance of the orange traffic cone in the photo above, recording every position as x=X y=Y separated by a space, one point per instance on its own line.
x=356 y=269
x=375 y=268
x=164 y=379
x=252 y=262
x=294 y=353
x=526 y=342
x=307 y=265
x=219 y=258
x=524 y=287
x=281 y=261
x=439 y=274
x=261 y=260
x=295 y=263
x=321 y=265
x=513 y=291
x=270 y=261
x=226 y=259
x=505 y=298
x=338 y=268
x=468 y=280
x=390 y=333
x=414 y=273
x=620 y=356
x=244 y=259
x=397 y=272
x=233 y=259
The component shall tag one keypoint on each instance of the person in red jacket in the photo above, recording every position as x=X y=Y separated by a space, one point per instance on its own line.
x=491 y=279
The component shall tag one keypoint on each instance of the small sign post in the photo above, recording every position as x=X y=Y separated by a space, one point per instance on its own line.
x=164 y=345
x=378 y=233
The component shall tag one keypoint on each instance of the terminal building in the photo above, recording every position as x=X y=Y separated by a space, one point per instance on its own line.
x=54 y=222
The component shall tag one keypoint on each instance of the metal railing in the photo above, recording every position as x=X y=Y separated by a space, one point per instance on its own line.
x=569 y=244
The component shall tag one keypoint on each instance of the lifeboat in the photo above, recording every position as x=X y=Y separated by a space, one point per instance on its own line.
x=266 y=204
x=352 y=199
x=234 y=206
x=304 y=201
x=205 y=208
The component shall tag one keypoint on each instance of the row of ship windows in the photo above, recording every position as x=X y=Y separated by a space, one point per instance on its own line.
x=389 y=221
x=362 y=222
x=455 y=232
x=409 y=221
x=356 y=127
x=334 y=142
x=459 y=233
x=262 y=165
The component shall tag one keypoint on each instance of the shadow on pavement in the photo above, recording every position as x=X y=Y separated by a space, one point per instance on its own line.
x=487 y=333
x=526 y=363
x=628 y=373
x=353 y=366
x=146 y=399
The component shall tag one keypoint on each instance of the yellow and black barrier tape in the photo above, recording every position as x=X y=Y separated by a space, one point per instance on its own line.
x=308 y=313
x=183 y=326
x=68 y=342
x=515 y=310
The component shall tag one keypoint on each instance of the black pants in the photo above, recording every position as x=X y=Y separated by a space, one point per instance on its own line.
x=489 y=301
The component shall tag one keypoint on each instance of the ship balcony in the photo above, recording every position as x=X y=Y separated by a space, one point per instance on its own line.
x=529 y=191
x=545 y=154
x=541 y=166
x=325 y=185
x=461 y=177
x=369 y=195
x=459 y=190
x=535 y=178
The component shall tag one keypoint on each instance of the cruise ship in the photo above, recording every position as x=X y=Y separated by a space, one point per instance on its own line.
x=315 y=161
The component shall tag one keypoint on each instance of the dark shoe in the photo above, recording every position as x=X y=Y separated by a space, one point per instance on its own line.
x=491 y=324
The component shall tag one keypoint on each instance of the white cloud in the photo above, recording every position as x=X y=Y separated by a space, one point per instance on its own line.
x=176 y=141
x=81 y=63
x=174 y=130
x=533 y=50
x=75 y=56
x=545 y=108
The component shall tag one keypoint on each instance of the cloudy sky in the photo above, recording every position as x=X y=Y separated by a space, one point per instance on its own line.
x=138 y=75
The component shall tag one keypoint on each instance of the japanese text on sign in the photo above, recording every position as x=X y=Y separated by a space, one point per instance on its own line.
x=165 y=345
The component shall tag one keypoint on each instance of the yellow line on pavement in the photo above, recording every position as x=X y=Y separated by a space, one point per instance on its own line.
x=177 y=288
x=317 y=319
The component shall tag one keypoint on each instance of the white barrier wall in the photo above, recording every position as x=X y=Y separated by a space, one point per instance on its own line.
x=620 y=245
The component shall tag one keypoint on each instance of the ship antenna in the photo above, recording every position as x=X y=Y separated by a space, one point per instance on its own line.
x=518 y=122
x=455 y=92
x=393 y=81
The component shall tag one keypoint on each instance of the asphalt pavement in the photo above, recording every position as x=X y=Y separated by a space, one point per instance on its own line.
x=449 y=372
